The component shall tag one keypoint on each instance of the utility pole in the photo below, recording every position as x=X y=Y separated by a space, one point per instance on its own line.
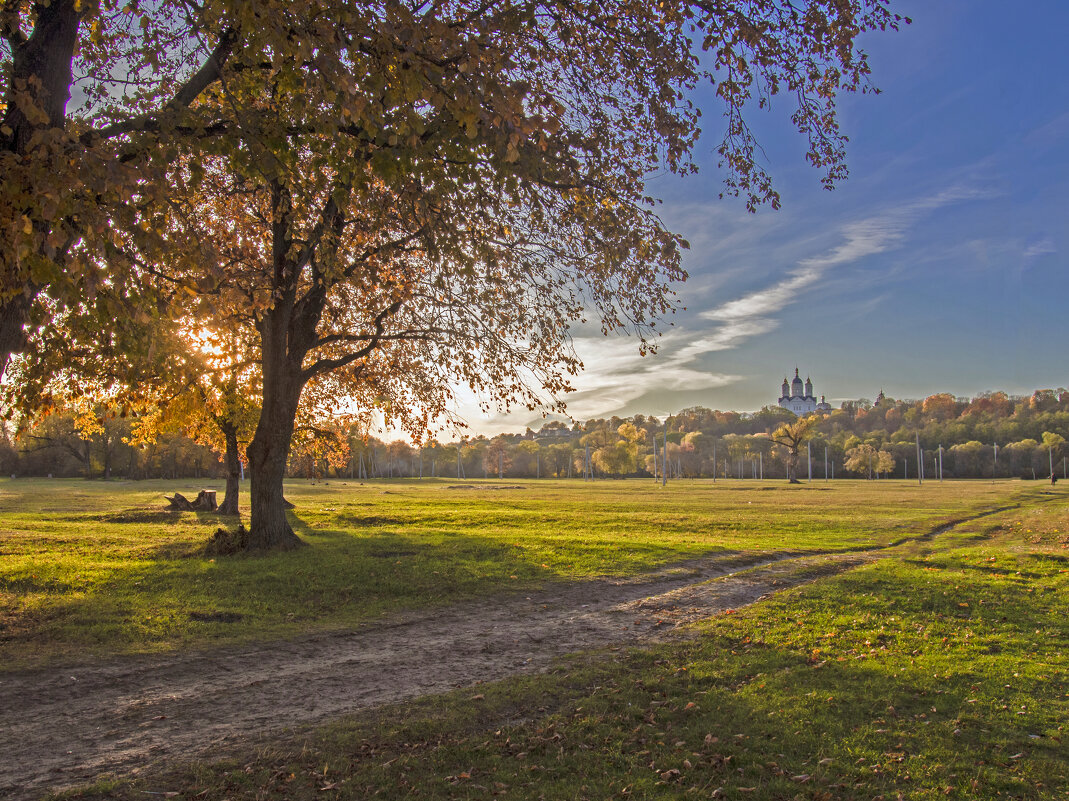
x=825 y=464
x=940 y=461
x=664 y=457
x=761 y=461
x=920 y=466
x=809 y=459
x=714 y=461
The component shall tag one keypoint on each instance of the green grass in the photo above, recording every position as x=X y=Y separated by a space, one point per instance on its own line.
x=938 y=672
x=93 y=569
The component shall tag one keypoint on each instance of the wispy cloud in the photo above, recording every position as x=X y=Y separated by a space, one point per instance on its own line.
x=1043 y=247
x=725 y=337
x=753 y=314
x=765 y=301
x=615 y=374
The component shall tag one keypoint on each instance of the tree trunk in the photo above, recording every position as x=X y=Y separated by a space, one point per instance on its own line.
x=13 y=315
x=229 y=506
x=287 y=333
x=269 y=450
x=107 y=455
x=269 y=529
x=43 y=61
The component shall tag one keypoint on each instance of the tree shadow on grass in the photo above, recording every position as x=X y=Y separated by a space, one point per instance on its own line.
x=175 y=596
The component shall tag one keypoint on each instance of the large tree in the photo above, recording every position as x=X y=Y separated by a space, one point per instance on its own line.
x=402 y=197
x=791 y=437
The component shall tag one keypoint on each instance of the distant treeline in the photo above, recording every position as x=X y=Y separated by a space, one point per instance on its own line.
x=992 y=435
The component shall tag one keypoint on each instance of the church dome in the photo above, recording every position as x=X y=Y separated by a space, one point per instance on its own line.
x=797 y=396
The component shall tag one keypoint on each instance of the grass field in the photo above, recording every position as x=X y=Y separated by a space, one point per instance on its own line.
x=938 y=672
x=92 y=569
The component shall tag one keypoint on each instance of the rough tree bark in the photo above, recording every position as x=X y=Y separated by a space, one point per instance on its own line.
x=229 y=506
x=268 y=453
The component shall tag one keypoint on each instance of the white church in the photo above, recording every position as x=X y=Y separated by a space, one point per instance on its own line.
x=800 y=399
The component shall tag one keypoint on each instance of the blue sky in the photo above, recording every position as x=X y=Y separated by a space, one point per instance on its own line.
x=939 y=266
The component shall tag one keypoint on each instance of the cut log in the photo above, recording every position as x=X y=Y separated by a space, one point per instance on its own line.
x=204 y=502
x=178 y=503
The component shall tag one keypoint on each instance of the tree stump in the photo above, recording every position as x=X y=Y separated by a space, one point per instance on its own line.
x=204 y=502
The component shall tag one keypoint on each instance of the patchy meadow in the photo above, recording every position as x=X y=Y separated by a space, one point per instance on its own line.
x=97 y=569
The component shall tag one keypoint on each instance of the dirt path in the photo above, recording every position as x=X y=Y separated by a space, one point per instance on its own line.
x=64 y=727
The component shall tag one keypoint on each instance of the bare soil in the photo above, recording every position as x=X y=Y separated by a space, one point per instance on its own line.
x=69 y=726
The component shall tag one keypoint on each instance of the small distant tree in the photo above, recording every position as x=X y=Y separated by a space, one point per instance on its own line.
x=558 y=456
x=867 y=459
x=941 y=406
x=614 y=460
x=526 y=456
x=634 y=437
x=496 y=458
x=1053 y=442
x=1022 y=456
x=791 y=437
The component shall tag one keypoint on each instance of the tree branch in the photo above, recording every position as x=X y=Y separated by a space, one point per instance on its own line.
x=209 y=72
x=327 y=365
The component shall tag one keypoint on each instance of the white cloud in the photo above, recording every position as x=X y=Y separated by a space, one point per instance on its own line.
x=751 y=315
x=727 y=336
x=615 y=374
x=1044 y=247
x=766 y=301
